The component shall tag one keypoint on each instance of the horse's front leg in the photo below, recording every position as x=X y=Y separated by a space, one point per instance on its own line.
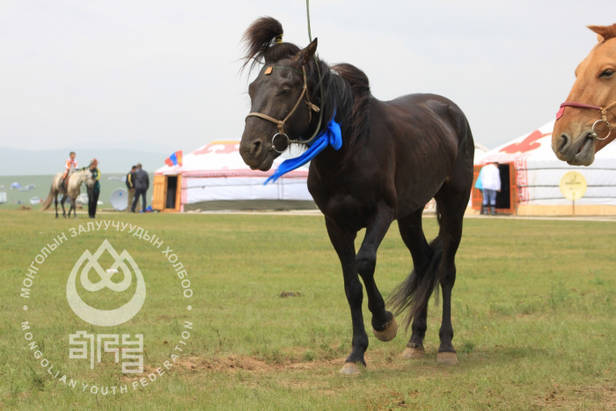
x=343 y=242
x=62 y=204
x=383 y=322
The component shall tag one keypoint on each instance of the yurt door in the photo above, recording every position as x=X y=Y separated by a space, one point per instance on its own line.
x=158 y=195
x=506 y=199
x=475 y=192
x=172 y=197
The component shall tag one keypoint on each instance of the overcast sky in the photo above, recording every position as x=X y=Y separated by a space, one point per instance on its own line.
x=164 y=75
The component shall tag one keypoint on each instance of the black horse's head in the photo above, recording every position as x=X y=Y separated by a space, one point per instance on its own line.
x=281 y=107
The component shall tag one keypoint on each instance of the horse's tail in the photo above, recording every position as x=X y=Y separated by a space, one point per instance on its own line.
x=48 y=200
x=413 y=293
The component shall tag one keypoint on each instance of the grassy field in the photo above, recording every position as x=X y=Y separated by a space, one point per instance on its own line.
x=533 y=314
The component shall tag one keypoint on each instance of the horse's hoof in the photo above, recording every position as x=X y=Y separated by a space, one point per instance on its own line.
x=413 y=353
x=447 y=358
x=389 y=333
x=351 y=368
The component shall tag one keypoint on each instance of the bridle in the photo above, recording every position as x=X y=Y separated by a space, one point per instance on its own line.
x=597 y=123
x=281 y=140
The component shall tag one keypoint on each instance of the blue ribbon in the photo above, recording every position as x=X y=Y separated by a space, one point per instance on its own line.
x=331 y=136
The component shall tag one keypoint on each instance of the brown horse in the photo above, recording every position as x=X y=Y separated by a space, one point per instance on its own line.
x=586 y=122
x=74 y=188
x=394 y=157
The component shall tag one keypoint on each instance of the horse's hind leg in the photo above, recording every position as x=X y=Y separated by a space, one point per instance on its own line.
x=413 y=236
x=451 y=204
x=55 y=202
x=383 y=322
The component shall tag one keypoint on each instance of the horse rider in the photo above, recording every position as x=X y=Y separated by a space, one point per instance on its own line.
x=70 y=167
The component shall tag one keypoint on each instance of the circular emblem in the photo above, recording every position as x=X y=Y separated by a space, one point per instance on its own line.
x=573 y=185
x=122 y=263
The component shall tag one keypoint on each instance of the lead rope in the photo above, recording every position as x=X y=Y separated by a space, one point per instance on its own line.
x=308 y=19
x=316 y=62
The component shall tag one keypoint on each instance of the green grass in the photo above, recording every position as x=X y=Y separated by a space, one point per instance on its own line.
x=533 y=314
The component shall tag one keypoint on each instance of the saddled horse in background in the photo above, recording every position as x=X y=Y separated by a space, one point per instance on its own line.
x=75 y=180
x=586 y=122
x=395 y=156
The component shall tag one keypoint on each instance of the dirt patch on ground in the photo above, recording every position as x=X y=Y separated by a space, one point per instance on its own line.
x=230 y=363
x=234 y=363
x=598 y=396
x=195 y=364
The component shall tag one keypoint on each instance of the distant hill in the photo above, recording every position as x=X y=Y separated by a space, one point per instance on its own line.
x=14 y=162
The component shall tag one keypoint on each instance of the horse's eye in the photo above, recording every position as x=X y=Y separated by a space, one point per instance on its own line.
x=607 y=73
x=284 y=91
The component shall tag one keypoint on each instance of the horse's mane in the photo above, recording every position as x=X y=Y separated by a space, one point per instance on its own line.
x=347 y=88
x=360 y=88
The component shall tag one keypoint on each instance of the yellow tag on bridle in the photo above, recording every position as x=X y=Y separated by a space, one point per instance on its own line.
x=268 y=70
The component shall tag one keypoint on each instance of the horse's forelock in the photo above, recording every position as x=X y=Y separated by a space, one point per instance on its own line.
x=263 y=41
x=280 y=51
x=604 y=32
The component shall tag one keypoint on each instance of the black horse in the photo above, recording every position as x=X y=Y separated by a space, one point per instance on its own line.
x=396 y=156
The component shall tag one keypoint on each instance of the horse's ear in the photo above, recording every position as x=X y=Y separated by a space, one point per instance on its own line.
x=304 y=56
x=604 y=32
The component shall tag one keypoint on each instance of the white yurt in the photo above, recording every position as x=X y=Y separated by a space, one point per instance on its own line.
x=535 y=182
x=215 y=176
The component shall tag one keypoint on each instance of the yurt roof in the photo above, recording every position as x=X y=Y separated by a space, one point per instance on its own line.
x=222 y=159
x=480 y=151
x=536 y=144
x=536 y=147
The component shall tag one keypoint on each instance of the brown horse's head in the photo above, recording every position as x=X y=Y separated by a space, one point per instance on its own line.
x=586 y=122
x=281 y=109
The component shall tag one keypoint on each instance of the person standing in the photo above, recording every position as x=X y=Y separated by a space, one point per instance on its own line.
x=130 y=184
x=491 y=184
x=142 y=183
x=95 y=190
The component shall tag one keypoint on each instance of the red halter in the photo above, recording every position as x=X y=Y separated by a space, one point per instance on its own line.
x=574 y=104
x=597 y=123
